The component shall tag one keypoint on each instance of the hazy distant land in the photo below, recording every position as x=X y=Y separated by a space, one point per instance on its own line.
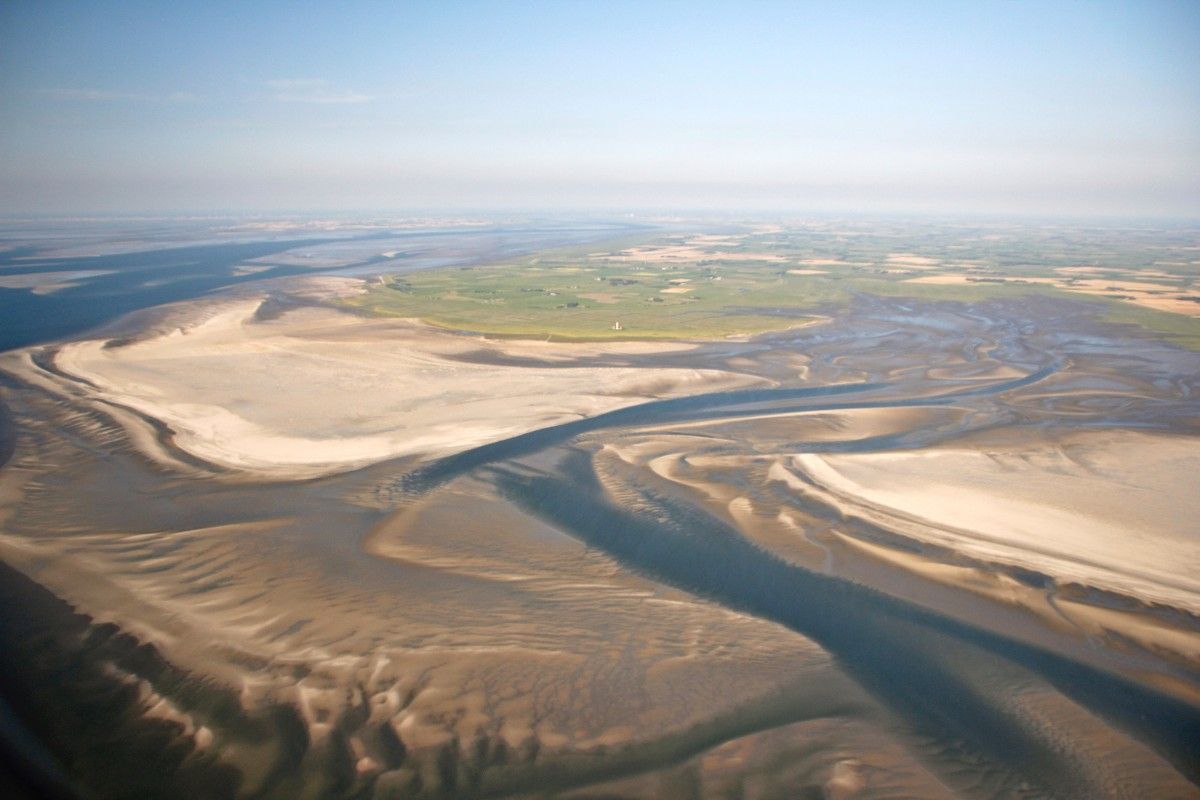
x=760 y=278
x=840 y=508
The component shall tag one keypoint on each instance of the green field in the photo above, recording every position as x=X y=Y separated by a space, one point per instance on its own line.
x=1183 y=331
x=581 y=301
x=751 y=283
x=574 y=296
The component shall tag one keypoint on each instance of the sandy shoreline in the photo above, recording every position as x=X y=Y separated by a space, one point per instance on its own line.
x=315 y=390
x=1115 y=509
x=481 y=631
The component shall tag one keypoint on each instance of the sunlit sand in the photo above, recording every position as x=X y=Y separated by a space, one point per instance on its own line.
x=336 y=531
x=318 y=390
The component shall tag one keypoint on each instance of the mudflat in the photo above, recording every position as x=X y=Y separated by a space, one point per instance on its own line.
x=923 y=548
x=318 y=390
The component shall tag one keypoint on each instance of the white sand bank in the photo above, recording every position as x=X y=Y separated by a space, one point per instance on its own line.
x=1114 y=509
x=318 y=390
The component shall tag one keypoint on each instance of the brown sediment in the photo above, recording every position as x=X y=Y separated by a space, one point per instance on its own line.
x=411 y=396
x=386 y=680
x=8 y=433
x=483 y=634
x=77 y=687
x=1146 y=622
x=1170 y=297
x=1085 y=507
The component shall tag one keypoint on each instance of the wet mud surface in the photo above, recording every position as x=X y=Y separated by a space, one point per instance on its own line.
x=673 y=599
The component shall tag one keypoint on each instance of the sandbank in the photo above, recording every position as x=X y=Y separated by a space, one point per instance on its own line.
x=318 y=390
x=1115 y=510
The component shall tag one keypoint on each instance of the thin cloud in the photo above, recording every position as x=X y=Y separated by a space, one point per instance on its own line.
x=314 y=90
x=111 y=95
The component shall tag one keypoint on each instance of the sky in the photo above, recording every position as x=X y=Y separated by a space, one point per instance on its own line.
x=977 y=107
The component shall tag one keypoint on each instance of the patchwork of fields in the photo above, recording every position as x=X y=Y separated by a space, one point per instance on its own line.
x=769 y=278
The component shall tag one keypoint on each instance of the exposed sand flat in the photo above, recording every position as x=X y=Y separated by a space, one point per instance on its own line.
x=1114 y=510
x=942 y=280
x=714 y=238
x=831 y=262
x=827 y=426
x=320 y=390
x=1162 y=297
x=1175 y=305
x=251 y=269
x=45 y=282
x=911 y=260
x=665 y=253
x=722 y=255
x=464 y=622
x=692 y=251
x=662 y=602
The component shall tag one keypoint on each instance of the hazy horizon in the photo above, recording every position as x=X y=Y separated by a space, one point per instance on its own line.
x=1059 y=110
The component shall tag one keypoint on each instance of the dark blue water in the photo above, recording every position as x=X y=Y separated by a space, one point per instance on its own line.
x=712 y=405
x=890 y=646
x=152 y=277
x=135 y=281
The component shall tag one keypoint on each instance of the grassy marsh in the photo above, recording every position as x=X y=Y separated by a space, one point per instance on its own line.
x=714 y=286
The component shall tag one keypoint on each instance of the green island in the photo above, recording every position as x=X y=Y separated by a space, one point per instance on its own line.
x=717 y=286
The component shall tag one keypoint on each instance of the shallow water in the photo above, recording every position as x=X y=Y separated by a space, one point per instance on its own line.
x=103 y=287
x=626 y=604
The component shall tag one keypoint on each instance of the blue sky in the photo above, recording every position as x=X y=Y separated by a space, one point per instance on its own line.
x=1064 y=108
